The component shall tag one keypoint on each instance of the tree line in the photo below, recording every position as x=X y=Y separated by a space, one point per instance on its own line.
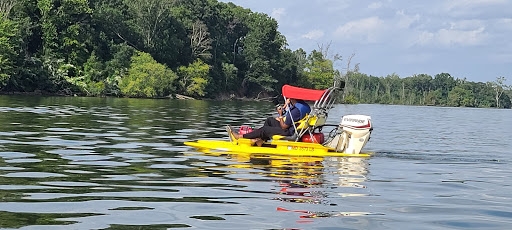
x=147 y=48
x=198 y=48
x=423 y=89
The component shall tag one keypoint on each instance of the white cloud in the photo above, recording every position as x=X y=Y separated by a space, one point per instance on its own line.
x=507 y=20
x=461 y=37
x=405 y=21
x=314 y=35
x=505 y=23
x=476 y=8
x=425 y=37
x=453 y=37
x=468 y=4
x=375 y=5
x=330 y=5
x=278 y=12
x=365 y=30
x=466 y=25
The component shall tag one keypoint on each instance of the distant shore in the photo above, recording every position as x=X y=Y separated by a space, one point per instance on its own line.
x=175 y=96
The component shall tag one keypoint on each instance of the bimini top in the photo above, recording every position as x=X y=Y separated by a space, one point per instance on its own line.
x=302 y=93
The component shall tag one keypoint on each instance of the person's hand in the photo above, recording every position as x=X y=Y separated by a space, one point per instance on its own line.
x=286 y=103
x=280 y=111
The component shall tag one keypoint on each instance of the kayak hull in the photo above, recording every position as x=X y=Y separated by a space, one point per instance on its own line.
x=276 y=147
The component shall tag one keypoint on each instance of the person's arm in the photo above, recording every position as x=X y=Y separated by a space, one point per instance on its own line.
x=282 y=123
x=280 y=118
x=284 y=108
x=286 y=104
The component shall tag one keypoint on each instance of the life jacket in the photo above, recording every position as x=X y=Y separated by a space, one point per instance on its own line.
x=303 y=108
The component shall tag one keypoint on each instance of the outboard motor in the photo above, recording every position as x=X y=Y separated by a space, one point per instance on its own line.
x=352 y=134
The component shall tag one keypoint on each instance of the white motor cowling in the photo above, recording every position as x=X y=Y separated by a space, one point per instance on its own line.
x=352 y=135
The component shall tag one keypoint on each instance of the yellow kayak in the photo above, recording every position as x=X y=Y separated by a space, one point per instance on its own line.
x=276 y=147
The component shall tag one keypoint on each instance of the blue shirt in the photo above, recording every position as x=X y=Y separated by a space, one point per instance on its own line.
x=292 y=114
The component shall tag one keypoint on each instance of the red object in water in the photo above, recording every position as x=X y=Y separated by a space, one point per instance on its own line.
x=244 y=130
x=317 y=138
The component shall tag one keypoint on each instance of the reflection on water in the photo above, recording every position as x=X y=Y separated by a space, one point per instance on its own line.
x=108 y=163
x=311 y=180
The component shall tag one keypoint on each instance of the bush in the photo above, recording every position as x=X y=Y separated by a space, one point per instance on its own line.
x=194 y=78
x=147 y=78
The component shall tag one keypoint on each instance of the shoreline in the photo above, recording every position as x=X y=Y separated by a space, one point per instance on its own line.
x=173 y=97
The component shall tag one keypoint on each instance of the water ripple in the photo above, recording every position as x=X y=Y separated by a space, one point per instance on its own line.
x=119 y=163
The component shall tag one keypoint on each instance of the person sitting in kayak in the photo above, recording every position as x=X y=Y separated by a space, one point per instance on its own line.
x=281 y=125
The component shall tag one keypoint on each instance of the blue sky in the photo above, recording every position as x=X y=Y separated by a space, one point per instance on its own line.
x=467 y=38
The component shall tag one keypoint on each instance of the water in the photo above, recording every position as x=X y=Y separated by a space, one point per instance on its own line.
x=107 y=163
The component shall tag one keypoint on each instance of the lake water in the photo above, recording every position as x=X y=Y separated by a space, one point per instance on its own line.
x=108 y=163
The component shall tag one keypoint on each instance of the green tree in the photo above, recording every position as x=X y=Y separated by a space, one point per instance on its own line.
x=200 y=41
x=65 y=32
x=91 y=79
x=153 y=29
x=442 y=83
x=459 y=96
x=63 y=29
x=391 y=84
x=435 y=97
x=230 y=73
x=27 y=72
x=319 y=72
x=148 y=17
x=422 y=85
x=147 y=78
x=261 y=48
x=117 y=67
x=291 y=69
x=193 y=79
x=112 y=20
x=7 y=48
x=499 y=87
x=93 y=68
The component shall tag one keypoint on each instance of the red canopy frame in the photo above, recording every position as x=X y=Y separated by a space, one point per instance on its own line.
x=302 y=93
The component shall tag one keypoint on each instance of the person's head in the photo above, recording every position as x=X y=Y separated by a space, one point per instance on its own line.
x=293 y=101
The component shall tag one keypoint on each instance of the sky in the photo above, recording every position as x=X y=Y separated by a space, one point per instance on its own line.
x=469 y=39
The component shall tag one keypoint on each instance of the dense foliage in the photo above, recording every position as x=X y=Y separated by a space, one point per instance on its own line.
x=142 y=48
x=198 y=48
